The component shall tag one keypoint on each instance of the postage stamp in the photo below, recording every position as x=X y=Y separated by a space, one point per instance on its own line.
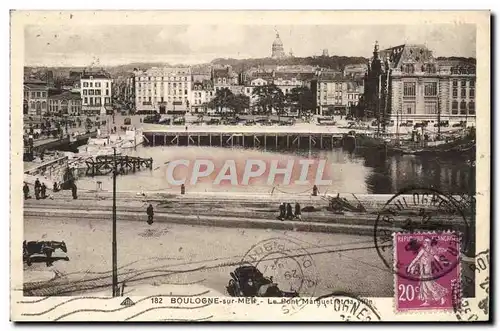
x=430 y=263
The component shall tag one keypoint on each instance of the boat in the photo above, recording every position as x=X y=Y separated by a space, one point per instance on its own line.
x=105 y=144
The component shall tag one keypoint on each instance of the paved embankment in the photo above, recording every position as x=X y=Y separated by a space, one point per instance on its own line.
x=223 y=210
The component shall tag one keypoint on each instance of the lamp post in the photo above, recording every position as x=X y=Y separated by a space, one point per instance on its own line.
x=115 y=271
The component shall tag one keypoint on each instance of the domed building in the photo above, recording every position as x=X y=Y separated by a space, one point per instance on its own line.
x=278 y=51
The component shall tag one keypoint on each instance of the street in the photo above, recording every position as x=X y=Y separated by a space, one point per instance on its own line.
x=181 y=254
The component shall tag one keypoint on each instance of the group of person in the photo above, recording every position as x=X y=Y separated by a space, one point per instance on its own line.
x=41 y=190
x=287 y=212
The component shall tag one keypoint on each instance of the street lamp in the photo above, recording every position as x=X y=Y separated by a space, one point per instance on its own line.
x=115 y=270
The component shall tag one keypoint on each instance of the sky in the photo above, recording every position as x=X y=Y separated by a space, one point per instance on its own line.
x=80 y=45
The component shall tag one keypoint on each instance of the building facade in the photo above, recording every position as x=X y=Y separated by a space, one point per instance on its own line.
x=407 y=83
x=163 y=89
x=96 y=92
x=65 y=103
x=331 y=94
x=201 y=94
x=35 y=98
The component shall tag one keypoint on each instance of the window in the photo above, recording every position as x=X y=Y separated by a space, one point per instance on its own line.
x=44 y=94
x=430 y=89
x=97 y=92
x=472 y=107
x=90 y=84
x=463 y=92
x=185 y=91
x=85 y=100
x=84 y=92
x=472 y=93
x=91 y=101
x=44 y=104
x=472 y=83
x=455 y=92
x=463 y=107
x=97 y=84
x=464 y=83
x=430 y=108
x=454 y=107
x=91 y=92
x=38 y=94
x=409 y=89
x=32 y=104
x=455 y=83
x=410 y=108
x=149 y=99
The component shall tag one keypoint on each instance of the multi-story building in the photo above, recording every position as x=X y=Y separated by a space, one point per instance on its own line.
x=202 y=93
x=407 y=83
x=354 y=93
x=96 y=92
x=163 y=89
x=35 y=98
x=223 y=77
x=65 y=103
x=331 y=93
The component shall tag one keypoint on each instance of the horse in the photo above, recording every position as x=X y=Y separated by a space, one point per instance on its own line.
x=42 y=247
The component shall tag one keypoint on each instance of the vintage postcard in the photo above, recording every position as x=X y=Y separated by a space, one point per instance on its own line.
x=250 y=166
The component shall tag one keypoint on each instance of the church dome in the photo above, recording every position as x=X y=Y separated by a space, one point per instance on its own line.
x=277 y=41
x=278 y=51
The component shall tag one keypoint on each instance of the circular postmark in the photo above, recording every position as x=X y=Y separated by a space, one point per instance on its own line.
x=428 y=221
x=288 y=265
x=348 y=308
x=476 y=275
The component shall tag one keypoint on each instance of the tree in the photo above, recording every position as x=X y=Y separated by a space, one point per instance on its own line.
x=301 y=98
x=221 y=100
x=269 y=98
x=238 y=103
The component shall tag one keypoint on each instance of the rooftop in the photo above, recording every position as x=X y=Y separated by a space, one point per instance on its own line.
x=67 y=95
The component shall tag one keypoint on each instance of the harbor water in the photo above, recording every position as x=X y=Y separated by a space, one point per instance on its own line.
x=361 y=171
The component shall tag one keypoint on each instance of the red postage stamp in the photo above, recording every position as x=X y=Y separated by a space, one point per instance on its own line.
x=427 y=270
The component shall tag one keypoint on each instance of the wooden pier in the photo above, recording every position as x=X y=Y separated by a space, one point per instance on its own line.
x=103 y=164
x=266 y=140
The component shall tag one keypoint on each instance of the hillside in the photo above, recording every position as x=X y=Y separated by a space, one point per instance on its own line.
x=332 y=62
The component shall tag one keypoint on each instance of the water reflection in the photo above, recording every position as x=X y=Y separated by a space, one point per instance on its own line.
x=361 y=171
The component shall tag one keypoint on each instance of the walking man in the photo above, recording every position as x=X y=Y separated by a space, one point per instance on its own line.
x=37 y=189
x=43 y=190
x=298 y=213
x=289 y=212
x=26 y=191
x=150 y=213
x=282 y=211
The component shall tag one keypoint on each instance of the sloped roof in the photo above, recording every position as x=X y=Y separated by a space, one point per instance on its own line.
x=65 y=96
x=406 y=52
x=331 y=77
x=36 y=86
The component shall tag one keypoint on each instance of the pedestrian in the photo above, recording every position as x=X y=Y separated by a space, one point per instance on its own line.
x=298 y=212
x=150 y=213
x=43 y=190
x=26 y=191
x=55 y=187
x=74 y=191
x=282 y=211
x=315 y=191
x=37 y=184
x=289 y=211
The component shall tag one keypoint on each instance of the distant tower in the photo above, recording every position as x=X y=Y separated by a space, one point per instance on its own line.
x=325 y=52
x=278 y=51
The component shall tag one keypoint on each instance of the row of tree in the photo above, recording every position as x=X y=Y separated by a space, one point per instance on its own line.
x=267 y=99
